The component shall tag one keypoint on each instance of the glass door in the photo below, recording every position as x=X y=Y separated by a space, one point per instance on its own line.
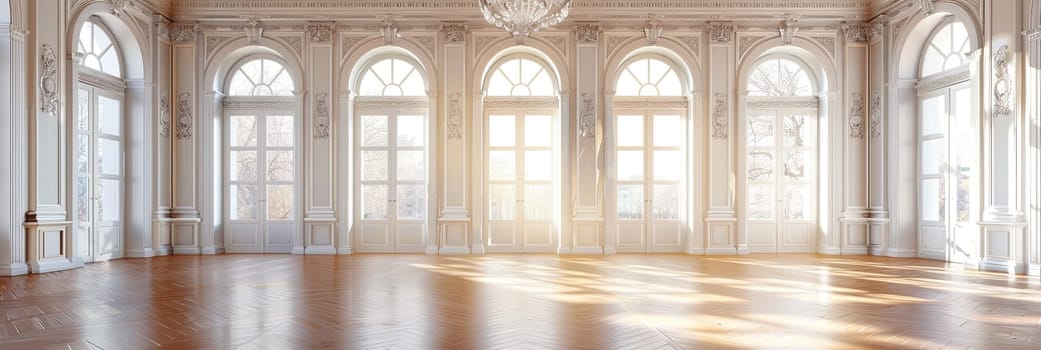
x=392 y=183
x=260 y=183
x=520 y=175
x=781 y=181
x=99 y=176
x=650 y=163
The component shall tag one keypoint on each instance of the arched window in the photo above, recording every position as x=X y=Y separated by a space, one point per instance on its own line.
x=521 y=77
x=778 y=77
x=390 y=145
x=392 y=77
x=521 y=149
x=260 y=167
x=780 y=150
x=649 y=156
x=649 y=77
x=98 y=146
x=261 y=77
x=98 y=50
x=947 y=147
x=948 y=49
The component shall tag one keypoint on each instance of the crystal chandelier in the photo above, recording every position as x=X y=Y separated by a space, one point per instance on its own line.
x=523 y=17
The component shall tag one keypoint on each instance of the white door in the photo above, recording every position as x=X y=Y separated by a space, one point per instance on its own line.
x=519 y=197
x=392 y=183
x=947 y=151
x=650 y=164
x=99 y=176
x=781 y=182
x=260 y=170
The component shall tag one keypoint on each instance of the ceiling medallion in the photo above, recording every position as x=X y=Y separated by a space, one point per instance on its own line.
x=523 y=17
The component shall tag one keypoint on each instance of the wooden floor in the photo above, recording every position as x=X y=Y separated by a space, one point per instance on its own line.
x=519 y=301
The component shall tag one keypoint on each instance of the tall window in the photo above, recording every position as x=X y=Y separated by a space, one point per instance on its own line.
x=98 y=146
x=391 y=142
x=780 y=149
x=947 y=148
x=521 y=155
x=260 y=150
x=650 y=157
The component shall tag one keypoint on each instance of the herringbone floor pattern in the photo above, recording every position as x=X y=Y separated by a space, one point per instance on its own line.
x=519 y=302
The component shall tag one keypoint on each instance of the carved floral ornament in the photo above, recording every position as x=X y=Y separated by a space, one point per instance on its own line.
x=876 y=113
x=587 y=118
x=1003 y=87
x=856 y=115
x=454 y=32
x=721 y=32
x=164 y=114
x=861 y=32
x=319 y=31
x=321 y=116
x=719 y=116
x=48 y=80
x=181 y=32
x=788 y=30
x=587 y=31
x=455 y=117
x=184 y=116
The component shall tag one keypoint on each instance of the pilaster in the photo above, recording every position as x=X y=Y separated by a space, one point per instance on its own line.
x=185 y=214
x=722 y=236
x=855 y=214
x=453 y=219
x=319 y=151
x=587 y=180
x=14 y=133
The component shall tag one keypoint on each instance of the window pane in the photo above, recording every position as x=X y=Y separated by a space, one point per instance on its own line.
x=411 y=202
x=668 y=165
x=374 y=130
x=795 y=165
x=630 y=202
x=244 y=205
x=630 y=131
x=411 y=130
x=630 y=165
x=537 y=202
x=797 y=130
x=280 y=131
x=761 y=130
x=934 y=156
x=668 y=131
x=933 y=201
x=110 y=199
x=374 y=202
x=83 y=114
x=501 y=202
x=666 y=202
x=110 y=63
x=374 y=165
x=280 y=165
x=501 y=165
x=538 y=165
x=798 y=202
x=934 y=117
x=538 y=131
x=243 y=165
x=83 y=201
x=83 y=163
x=502 y=130
x=280 y=202
x=108 y=115
x=109 y=157
x=243 y=130
x=410 y=166
x=760 y=202
x=760 y=165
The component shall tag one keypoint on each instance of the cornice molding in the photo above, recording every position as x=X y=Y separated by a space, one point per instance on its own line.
x=495 y=102
x=256 y=105
x=783 y=104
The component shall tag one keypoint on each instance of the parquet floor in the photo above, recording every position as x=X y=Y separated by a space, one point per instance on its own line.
x=519 y=301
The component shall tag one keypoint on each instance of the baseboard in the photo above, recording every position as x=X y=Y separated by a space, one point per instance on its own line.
x=51 y=265
x=298 y=251
x=453 y=251
x=14 y=269
x=901 y=253
x=430 y=251
x=1034 y=269
x=1005 y=266
x=164 y=251
x=563 y=251
x=829 y=251
x=186 y=250
x=694 y=251
x=212 y=251
x=478 y=250
x=610 y=251
x=854 y=251
x=721 y=251
x=140 y=253
x=587 y=251
x=320 y=251
x=344 y=251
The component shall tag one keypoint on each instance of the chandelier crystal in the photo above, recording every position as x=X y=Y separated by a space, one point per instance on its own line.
x=523 y=17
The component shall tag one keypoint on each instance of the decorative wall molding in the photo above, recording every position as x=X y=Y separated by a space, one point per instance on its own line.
x=861 y=32
x=390 y=103
x=788 y=30
x=559 y=42
x=521 y=103
x=349 y=42
x=745 y=43
x=719 y=116
x=254 y=31
x=102 y=81
x=587 y=118
x=321 y=116
x=295 y=43
x=213 y=42
x=389 y=31
x=653 y=31
x=481 y=42
x=164 y=113
x=587 y=32
x=319 y=32
x=784 y=104
x=721 y=32
x=927 y=6
x=648 y=103
x=183 y=32
x=455 y=117
x=120 y=7
x=184 y=115
x=614 y=41
x=827 y=42
x=427 y=42
x=162 y=27
x=943 y=81
x=693 y=42
x=1003 y=88
x=453 y=32
x=48 y=80
x=876 y=113
x=856 y=115
x=1033 y=34
x=256 y=104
